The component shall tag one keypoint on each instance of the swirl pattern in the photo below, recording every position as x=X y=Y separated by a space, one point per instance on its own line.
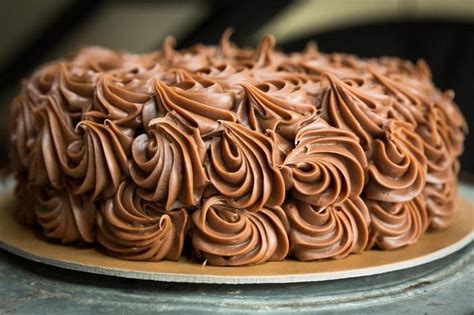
x=439 y=156
x=349 y=108
x=114 y=102
x=76 y=86
x=451 y=120
x=131 y=228
x=441 y=203
x=276 y=106
x=408 y=104
x=99 y=159
x=226 y=236
x=397 y=170
x=242 y=168
x=397 y=224
x=327 y=232
x=63 y=215
x=201 y=104
x=327 y=166
x=253 y=154
x=168 y=163
x=23 y=134
x=56 y=132
x=41 y=82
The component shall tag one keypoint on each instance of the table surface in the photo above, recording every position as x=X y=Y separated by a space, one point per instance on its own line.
x=441 y=287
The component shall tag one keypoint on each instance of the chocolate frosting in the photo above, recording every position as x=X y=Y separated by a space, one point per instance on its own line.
x=397 y=224
x=132 y=228
x=327 y=232
x=226 y=236
x=242 y=168
x=251 y=153
x=64 y=215
x=326 y=166
x=397 y=170
x=169 y=152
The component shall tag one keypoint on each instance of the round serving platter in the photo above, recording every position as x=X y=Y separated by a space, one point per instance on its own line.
x=23 y=242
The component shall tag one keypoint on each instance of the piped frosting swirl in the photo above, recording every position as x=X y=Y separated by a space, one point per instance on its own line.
x=226 y=236
x=253 y=154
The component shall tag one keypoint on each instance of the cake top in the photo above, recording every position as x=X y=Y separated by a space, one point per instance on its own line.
x=232 y=128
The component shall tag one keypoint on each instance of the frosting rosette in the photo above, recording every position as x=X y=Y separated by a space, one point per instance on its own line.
x=350 y=107
x=225 y=236
x=397 y=166
x=98 y=160
x=41 y=82
x=441 y=203
x=408 y=104
x=327 y=232
x=228 y=76
x=76 y=86
x=440 y=158
x=451 y=120
x=55 y=132
x=397 y=224
x=99 y=59
x=64 y=216
x=277 y=106
x=167 y=163
x=135 y=229
x=253 y=154
x=341 y=65
x=115 y=102
x=192 y=59
x=326 y=167
x=200 y=103
x=23 y=133
x=243 y=169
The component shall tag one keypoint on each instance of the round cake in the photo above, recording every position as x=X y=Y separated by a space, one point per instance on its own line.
x=231 y=156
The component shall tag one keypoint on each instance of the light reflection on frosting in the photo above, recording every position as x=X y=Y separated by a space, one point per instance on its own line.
x=167 y=163
x=327 y=232
x=265 y=152
x=241 y=168
x=397 y=224
x=327 y=166
x=131 y=228
x=226 y=236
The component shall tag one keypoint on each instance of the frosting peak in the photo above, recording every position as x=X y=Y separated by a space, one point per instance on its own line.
x=242 y=168
x=253 y=154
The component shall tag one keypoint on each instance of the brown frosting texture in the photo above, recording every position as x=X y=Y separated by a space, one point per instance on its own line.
x=201 y=104
x=327 y=165
x=278 y=106
x=99 y=159
x=226 y=236
x=242 y=168
x=63 y=215
x=327 y=232
x=397 y=224
x=132 y=228
x=352 y=108
x=24 y=131
x=397 y=170
x=167 y=163
x=251 y=154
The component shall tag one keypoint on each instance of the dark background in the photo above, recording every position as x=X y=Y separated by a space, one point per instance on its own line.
x=441 y=32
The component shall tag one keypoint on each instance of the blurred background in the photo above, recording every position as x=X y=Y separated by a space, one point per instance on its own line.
x=440 y=31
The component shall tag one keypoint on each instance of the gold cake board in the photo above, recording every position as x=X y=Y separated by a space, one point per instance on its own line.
x=23 y=242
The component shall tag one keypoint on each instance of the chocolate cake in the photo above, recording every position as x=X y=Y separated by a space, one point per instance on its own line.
x=234 y=156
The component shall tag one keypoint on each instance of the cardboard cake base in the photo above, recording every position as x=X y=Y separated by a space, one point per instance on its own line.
x=21 y=241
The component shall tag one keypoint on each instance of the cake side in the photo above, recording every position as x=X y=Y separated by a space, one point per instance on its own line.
x=235 y=156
